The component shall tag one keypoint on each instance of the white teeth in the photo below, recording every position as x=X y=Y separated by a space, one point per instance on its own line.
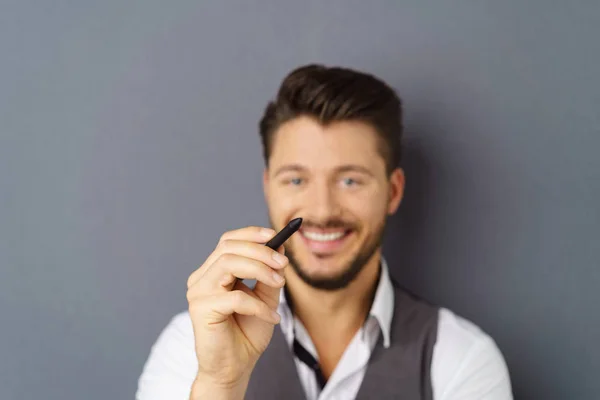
x=323 y=237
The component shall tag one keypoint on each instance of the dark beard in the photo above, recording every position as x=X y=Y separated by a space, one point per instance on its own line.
x=348 y=274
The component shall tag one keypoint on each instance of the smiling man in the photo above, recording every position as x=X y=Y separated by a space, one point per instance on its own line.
x=325 y=320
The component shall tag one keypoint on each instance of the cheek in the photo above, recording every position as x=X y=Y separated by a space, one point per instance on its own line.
x=370 y=208
x=281 y=206
x=287 y=199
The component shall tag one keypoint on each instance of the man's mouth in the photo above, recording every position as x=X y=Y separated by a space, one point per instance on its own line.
x=325 y=241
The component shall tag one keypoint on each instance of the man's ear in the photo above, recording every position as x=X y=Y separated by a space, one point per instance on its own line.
x=396 y=193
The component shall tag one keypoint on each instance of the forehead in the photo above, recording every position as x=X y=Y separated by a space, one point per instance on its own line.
x=306 y=142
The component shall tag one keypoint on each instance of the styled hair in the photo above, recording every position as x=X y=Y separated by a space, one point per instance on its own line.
x=334 y=94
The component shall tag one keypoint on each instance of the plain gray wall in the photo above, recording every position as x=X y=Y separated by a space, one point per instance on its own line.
x=129 y=144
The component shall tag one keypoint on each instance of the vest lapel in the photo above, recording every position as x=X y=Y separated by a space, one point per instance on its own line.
x=381 y=377
x=402 y=371
x=275 y=375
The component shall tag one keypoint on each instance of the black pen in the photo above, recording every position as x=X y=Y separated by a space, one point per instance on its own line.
x=284 y=234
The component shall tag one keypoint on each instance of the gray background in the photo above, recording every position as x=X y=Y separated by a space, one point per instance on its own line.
x=129 y=144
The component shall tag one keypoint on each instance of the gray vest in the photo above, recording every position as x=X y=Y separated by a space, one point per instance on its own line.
x=401 y=371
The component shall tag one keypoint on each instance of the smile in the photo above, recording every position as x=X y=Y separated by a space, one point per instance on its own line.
x=323 y=237
x=325 y=242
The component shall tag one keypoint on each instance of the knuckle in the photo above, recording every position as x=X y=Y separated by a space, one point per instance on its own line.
x=225 y=245
x=190 y=281
x=226 y=258
x=224 y=237
x=189 y=297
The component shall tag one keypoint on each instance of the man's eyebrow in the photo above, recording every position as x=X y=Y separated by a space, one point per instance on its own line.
x=289 y=167
x=340 y=169
x=354 y=168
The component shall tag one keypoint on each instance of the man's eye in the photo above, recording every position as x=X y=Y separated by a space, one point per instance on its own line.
x=296 y=181
x=350 y=182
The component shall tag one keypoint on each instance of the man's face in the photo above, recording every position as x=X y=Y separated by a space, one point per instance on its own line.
x=335 y=179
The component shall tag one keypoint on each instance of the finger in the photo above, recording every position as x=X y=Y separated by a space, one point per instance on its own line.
x=254 y=234
x=244 y=288
x=269 y=294
x=236 y=301
x=231 y=266
x=193 y=294
x=256 y=251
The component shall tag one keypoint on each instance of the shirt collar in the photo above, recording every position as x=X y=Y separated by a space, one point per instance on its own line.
x=382 y=308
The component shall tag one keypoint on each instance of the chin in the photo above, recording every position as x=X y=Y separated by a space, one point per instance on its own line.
x=326 y=272
x=331 y=258
x=322 y=268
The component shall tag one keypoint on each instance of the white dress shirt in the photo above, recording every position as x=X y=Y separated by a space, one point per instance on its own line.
x=466 y=363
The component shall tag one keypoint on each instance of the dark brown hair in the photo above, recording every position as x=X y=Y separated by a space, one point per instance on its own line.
x=330 y=94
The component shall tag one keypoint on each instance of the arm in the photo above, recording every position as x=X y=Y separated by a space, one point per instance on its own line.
x=206 y=390
x=209 y=352
x=171 y=367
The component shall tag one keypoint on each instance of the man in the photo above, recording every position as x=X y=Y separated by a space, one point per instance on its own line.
x=341 y=328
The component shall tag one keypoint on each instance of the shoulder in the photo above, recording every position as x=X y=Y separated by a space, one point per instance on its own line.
x=466 y=361
x=462 y=333
x=171 y=366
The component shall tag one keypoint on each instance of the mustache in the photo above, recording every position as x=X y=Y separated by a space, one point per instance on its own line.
x=328 y=224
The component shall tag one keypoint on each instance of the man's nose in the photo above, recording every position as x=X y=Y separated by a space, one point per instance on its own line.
x=323 y=203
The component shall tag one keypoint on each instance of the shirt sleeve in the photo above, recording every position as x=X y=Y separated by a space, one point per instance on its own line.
x=171 y=366
x=467 y=364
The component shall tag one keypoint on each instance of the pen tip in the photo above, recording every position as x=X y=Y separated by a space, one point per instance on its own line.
x=295 y=223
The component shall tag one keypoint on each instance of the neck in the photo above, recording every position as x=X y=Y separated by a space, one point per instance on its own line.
x=334 y=316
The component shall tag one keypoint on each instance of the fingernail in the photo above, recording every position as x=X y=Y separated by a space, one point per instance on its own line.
x=278 y=278
x=279 y=258
x=266 y=232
